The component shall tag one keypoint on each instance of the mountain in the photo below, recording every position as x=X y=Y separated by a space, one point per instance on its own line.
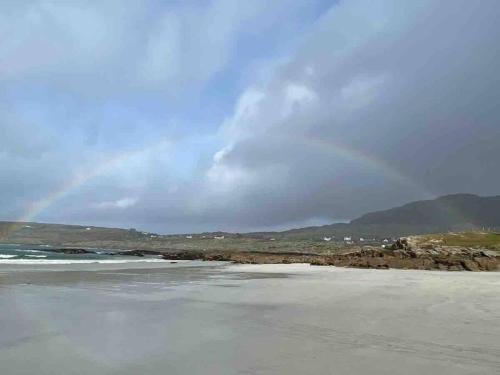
x=449 y=211
x=456 y=212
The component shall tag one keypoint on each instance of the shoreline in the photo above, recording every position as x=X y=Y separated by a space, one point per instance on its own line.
x=403 y=254
x=463 y=260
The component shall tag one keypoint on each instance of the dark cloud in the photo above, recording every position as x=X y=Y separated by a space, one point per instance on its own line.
x=380 y=104
x=409 y=91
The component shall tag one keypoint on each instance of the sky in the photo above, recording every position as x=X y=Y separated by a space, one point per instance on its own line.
x=188 y=116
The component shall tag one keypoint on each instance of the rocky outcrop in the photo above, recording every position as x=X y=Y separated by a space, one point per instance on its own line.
x=185 y=255
x=71 y=251
x=403 y=254
x=137 y=253
x=243 y=257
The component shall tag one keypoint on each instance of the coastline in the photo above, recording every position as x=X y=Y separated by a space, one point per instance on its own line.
x=456 y=259
x=405 y=253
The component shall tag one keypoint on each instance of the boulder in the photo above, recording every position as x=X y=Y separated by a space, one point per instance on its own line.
x=470 y=265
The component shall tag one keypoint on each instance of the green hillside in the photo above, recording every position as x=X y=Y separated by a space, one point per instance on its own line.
x=459 y=212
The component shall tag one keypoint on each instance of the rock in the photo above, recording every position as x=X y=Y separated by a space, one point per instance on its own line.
x=400 y=244
x=135 y=253
x=442 y=267
x=319 y=262
x=487 y=263
x=184 y=255
x=470 y=265
x=402 y=256
x=217 y=257
x=72 y=251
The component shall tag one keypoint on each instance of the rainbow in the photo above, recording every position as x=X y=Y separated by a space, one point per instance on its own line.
x=377 y=164
x=343 y=151
x=80 y=178
x=358 y=156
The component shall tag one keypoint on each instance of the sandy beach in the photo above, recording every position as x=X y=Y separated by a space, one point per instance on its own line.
x=218 y=318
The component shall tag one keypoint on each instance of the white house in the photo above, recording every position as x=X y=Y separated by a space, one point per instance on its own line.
x=327 y=239
x=219 y=237
x=189 y=236
x=347 y=239
x=385 y=240
x=361 y=239
x=88 y=228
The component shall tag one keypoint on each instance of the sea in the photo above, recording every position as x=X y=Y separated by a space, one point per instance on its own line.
x=41 y=254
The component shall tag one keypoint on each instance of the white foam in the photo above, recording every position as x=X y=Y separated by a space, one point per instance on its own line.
x=78 y=261
x=6 y=256
x=37 y=256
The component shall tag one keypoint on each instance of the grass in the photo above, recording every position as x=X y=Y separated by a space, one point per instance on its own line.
x=489 y=240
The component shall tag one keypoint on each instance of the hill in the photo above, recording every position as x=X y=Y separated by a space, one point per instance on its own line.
x=456 y=212
x=449 y=211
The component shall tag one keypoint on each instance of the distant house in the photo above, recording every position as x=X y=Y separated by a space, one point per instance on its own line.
x=189 y=236
x=88 y=228
x=27 y=226
x=219 y=237
x=153 y=236
x=327 y=239
x=347 y=239
x=272 y=239
x=361 y=239
x=385 y=240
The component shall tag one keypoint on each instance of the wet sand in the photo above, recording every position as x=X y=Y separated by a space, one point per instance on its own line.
x=216 y=318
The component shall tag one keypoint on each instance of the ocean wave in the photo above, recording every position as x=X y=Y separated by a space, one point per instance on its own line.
x=7 y=256
x=37 y=256
x=79 y=261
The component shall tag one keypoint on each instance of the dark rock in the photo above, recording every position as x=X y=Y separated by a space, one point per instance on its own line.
x=72 y=251
x=470 y=265
x=184 y=255
x=135 y=253
x=487 y=263
x=400 y=244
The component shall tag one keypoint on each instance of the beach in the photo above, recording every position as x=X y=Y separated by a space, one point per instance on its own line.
x=195 y=317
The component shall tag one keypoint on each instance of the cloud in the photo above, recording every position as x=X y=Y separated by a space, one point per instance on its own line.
x=120 y=203
x=393 y=87
x=368 y=106
x=190 y=44
x=113 y=47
